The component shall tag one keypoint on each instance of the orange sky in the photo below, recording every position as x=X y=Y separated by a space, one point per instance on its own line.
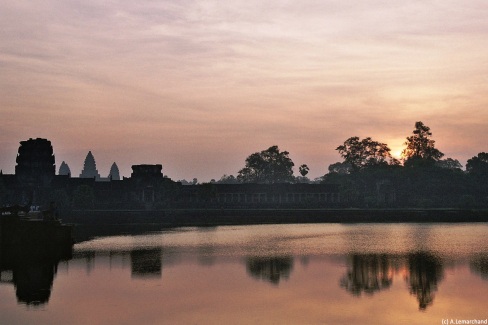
x=199 y=85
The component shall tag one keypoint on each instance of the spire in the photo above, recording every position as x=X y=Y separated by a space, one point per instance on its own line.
x=114 y=173
x=64 y=169
x=90 y=167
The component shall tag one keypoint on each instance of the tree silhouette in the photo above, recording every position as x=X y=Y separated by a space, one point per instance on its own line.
x=228 y=179
x=341 y=168
x=303 y=169
x=420 y=147
x=449 y=163
x=478 y=165
x=268 y=166
x=365 y=153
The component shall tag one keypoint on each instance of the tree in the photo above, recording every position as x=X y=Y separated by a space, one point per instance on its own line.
x=365 y=153
x=303 y=169
x=228 y=179
x=420 y=147
x=449 y=163
x=478 y=165
x=341 y=168
x=268 y=166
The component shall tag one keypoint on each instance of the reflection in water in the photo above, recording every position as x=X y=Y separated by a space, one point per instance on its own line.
x=479 y=265
x=368 y=274
x=119 y=279
x=32 y=273
x=33 y=282
x=371 y=273
x=146 y=263
x=271 y=269
x=425 y=272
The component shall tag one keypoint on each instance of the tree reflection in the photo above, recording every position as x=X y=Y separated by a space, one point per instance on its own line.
x=479 y=265
x=368 y=274
x=271 y=269
x=425 y=272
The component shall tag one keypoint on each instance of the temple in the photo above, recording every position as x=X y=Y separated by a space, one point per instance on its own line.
x=35 y=183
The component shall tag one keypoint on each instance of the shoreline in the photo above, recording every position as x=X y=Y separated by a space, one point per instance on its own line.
x=89 y=224
x=216 y=217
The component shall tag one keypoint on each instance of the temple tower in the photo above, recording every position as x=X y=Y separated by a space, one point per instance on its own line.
x=35 y=162
x=90 y=167
x=114 y=174
x=64 y=169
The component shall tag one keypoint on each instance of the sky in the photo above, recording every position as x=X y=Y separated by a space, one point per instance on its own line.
x=198 y=86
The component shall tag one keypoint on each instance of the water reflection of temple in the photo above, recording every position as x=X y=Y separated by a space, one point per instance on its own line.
x=146 y=263
x=372 y=273
x=32 y=277
x=272 y=269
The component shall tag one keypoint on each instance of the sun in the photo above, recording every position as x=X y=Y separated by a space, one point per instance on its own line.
x=397 y=154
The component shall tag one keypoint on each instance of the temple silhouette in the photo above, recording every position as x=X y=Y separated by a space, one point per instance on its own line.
x=36 y=183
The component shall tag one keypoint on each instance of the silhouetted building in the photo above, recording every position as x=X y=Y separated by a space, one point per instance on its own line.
x=146 y=184
x=146 y=189
x=114 y=172
x=34 y=172
x=64 y=169
x=261 y=195
x=35 y=162
x=90 y=167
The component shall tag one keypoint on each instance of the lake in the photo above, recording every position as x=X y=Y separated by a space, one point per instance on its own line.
x=264 y=274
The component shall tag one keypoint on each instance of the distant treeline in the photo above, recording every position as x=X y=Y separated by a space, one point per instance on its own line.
x=369 y=176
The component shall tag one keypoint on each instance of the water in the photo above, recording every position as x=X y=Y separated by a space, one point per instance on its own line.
x=267 y=274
